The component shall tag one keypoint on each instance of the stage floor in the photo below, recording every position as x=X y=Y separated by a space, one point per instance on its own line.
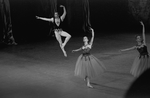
x=39 y=70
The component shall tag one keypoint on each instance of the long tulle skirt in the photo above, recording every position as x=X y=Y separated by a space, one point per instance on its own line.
x=88 y=66
x=140 y=65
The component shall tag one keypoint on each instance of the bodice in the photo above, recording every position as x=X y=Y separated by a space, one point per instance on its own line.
x=57 y=23
x=86 y=50
x=142 y=50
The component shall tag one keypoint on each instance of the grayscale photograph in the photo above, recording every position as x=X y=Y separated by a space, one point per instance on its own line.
x=74 y=48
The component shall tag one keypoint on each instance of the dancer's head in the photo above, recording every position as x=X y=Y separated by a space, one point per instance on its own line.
x=56 y=15
x=85 y=39
x=138 y=39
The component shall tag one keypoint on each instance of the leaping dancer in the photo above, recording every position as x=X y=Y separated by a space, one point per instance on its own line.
x=57 y=28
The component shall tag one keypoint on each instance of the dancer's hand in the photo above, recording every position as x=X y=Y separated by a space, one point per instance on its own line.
x=141 y=23
x=73 y=51
x=120 y=51
x=37 y=17
x=62 y=6
x=91 y=29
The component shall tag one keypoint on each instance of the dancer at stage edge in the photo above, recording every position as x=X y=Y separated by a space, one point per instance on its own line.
x=87 y=65
x=141 y=62
x=57 y=28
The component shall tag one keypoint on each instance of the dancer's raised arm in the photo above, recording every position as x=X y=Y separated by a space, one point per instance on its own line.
x=143 y=33
x=64 y=13
x=92 y=39
x=45 y=19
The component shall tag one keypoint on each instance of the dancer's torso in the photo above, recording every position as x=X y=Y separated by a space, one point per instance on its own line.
x=57 y=24
x=86 y=50
x=142 y=50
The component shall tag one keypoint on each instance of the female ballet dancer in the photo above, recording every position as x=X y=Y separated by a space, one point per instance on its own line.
x=141 y=62
x=57 y=28
x=87 y=65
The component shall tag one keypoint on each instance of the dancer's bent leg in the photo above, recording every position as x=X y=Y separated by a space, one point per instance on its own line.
x=68 y=36
x=58 y=37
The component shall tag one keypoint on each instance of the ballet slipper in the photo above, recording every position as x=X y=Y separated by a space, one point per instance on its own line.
x=65 y=54
x=89 y=85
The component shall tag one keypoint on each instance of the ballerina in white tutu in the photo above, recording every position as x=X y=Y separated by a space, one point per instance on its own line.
x=141 y=62
x=87 y=65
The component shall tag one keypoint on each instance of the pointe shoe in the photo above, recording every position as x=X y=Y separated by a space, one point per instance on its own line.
x=65 y=54
x=90 y=86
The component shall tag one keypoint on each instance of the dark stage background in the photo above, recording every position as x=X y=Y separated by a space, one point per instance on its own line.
x=107 y=17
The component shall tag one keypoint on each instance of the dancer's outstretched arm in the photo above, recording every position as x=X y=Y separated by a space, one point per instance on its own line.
x=122 y=50
x=92 y=39
x=143 y=33
x=45 y=19
x=77 y=50
x=64 y=13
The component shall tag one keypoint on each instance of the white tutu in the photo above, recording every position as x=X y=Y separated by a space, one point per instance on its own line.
x=140 y=65
x=88 y=65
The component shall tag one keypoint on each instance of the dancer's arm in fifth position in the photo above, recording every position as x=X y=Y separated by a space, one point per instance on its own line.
x=143 y=33
x=92 y=39
x=64 y=13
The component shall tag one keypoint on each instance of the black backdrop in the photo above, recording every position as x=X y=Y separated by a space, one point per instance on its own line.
x=107 y=17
